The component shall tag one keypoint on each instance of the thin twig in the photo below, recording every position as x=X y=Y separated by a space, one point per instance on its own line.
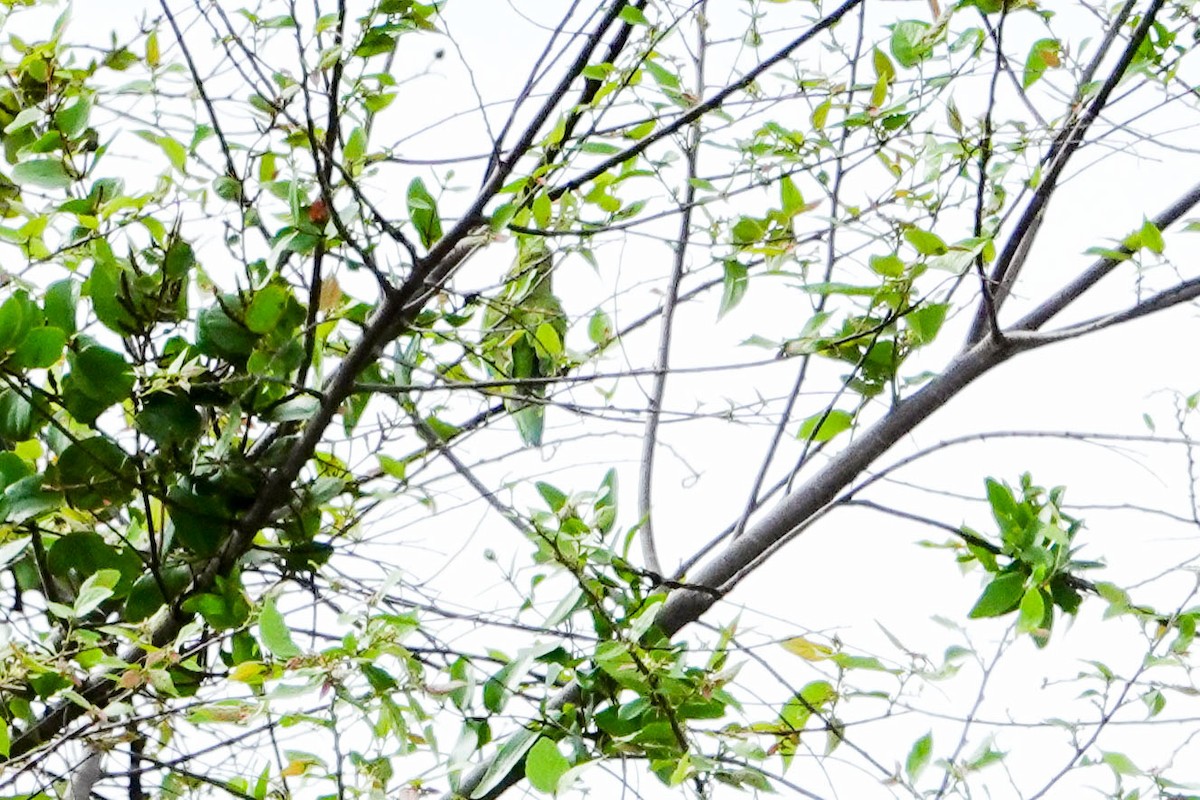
x=670 y=302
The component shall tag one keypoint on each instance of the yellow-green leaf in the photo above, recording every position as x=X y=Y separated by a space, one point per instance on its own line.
x=806 y=649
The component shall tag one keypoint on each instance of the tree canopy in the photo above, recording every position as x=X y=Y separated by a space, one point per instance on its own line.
x=549 y=396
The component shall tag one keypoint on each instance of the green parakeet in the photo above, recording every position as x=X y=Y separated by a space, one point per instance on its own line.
x=523 y=331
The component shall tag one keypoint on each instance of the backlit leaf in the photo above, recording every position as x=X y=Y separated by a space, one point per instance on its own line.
x=545 y=766
x=274 y=631
x=918 y=756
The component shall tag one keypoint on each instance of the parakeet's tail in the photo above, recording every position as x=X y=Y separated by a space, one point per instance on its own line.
x=530 y=419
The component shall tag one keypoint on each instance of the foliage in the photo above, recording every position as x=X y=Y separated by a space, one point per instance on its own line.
x=279 y=323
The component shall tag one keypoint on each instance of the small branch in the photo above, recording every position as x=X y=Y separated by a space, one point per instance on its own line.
x=711 y=104
x=988 y=670
x=1065 y=296
x=1069 y=140
x=839 y=174
x=670 y=302
x=504 y=167
x=990 y=300
x=1180 y=293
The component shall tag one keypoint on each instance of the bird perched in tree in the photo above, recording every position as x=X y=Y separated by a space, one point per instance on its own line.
x=523 y=331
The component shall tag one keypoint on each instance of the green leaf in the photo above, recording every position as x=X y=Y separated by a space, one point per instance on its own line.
x=736 y=282
x=918 y=756
x=807 y=649
x=16 y=318
x=356 y=145
x=393 y=466
x=1004 y=506
x=445 y=431
x=46 y=173
x=509 y=755
x=423 y=212
x=555 y=499
x=599 y=148
x=199 y=522
x=107 y=286
x=1121 y=764
x=375 y=41
x=925 y=322
x=1155 y=702
x=548 y=340
x=986 y=758
x=95 y=473
x=12 y=469
x=27 y=499
x=225 y=608
x=820 y=114
x=545 y=766
x=889 y=266
x=812 y=698
x=72 y=120
x=26 y=117
x=378 y=101
x=9 y=551
x=5 y=738
x=227 y=188
x=633 y=15
x=848 y=662
x=908 y=43
x=168 y=418
x=662 y=76
x=831 y=425
x=1033 y=608
x=834 y=287
x=1000 y=596
x=223 y=711
x=145 y=596
x=153 y=53
x=748 y=230
x=175 y=152
x=1043 y=55
x=1151 y=237
x=16 y=416
x=295 y=409
x=266 y=308
x=641 y=130
x=95 y=590
x=926 y=243
x=884 y=69
x=220 y=335
x=274 y=632
x=1111 y=254
x=600 y=328
x=790 y=198
x=60 y=301
x=102 y=374
x=42 y=348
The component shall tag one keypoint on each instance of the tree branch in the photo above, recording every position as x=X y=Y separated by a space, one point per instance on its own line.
x=1065 y=296
x=1069 y=140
